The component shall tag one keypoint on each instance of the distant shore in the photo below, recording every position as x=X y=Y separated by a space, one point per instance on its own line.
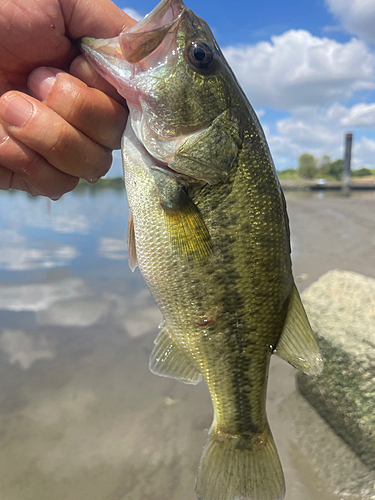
x=314 y=185
x=286 y=184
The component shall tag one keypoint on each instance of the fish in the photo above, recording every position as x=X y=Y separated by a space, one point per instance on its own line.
x=208 y=229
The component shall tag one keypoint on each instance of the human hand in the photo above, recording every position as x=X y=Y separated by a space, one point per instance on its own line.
x=68 y=129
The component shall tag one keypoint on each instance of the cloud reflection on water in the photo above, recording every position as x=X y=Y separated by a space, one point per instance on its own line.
x=136 y=313
x=112 y=248
x=81 y=312
x=39 y=296
x=24 y=349
x=79 y=223
x=24 y=258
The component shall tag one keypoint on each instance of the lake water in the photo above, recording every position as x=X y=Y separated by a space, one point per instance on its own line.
x=80 y=414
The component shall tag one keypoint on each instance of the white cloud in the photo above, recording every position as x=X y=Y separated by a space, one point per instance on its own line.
x=260 y=112
x=361 y=115
x=321 y=131
x=299 y=69
x=23 y=349
x=364 y=149
x=356 y=16
x=312 y=132
x=132 y=13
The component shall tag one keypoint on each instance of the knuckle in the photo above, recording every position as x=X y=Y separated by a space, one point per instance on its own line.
x=60 y=137
x=79 y=104
x=68 y=98
x=33 y=164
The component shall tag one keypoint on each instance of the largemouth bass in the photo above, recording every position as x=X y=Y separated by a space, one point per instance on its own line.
x=208 y=228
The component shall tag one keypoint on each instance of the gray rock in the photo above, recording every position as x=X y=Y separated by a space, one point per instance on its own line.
x=341 y=309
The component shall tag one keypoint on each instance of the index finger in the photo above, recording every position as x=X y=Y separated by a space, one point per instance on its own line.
x=99 y=19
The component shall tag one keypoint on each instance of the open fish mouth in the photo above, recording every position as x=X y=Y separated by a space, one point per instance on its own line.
x=115 y=58
x=144 y=37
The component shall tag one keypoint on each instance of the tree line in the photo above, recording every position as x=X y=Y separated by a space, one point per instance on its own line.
x=310 y=167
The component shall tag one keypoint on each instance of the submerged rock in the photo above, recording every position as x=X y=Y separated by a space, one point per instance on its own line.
x=341 y=309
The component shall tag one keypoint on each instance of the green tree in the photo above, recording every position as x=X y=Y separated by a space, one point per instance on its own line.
x=307 y=166
x=336 y=168
x=323 y=166
x=362 y=172
x=289 y=173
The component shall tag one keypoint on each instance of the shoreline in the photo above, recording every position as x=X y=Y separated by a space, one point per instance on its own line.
x=312 y=185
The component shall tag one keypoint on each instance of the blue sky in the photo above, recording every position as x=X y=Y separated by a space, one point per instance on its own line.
x=308 y=68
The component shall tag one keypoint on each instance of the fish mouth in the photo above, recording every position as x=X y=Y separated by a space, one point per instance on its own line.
x=144 y=37
x=118 y=56
x=135 y=50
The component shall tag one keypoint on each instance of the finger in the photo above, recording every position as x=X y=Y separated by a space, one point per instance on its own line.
x=5 y=178
x=83 y=70
x=92 y=112
x=20 y=184
x=47 y=133
x=99 y=19
x=23 y=168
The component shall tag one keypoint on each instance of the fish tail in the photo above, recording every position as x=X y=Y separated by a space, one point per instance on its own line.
x=240 y=467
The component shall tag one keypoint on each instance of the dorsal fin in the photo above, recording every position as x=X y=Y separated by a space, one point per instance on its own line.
x=297 y=344
x=132 y=252
x=169 y=360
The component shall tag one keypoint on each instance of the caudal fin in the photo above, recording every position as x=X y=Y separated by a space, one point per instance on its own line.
x=240 y=468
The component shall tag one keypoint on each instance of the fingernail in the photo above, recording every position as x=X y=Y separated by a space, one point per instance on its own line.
x=41 y=81
x=16 y=110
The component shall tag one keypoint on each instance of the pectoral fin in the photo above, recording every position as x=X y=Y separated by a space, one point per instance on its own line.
x=169 y=360
x=209 y=154
x=132 y=252
x=297 y=344
x=186 y=228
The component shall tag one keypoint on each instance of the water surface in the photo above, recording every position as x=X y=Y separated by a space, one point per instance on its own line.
x=80 y=414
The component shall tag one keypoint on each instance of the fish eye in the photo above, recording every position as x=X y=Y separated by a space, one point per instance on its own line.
x=200 y=55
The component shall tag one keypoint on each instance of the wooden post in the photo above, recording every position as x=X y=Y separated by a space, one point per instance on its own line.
x=346 y=173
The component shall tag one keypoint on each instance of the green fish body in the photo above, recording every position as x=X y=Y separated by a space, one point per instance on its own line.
x=209 y=231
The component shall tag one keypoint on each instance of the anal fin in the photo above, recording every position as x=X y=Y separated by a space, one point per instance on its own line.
x=297 y=344
x=169 y=360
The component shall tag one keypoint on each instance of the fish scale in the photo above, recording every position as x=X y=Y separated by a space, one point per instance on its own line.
x=209 y=231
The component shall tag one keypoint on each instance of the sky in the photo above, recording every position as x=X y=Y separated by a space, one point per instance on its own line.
x=307 y=67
